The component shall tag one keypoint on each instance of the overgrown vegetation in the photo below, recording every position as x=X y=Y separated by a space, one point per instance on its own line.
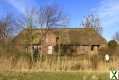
x=112 y=44
x=112 y=48
x=20 y=60
x=64 y=50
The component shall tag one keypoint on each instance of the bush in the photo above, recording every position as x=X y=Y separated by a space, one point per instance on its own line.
x=104 y=50
x=112 y=44
x=76 y=67
x=94 y=60
x=112 y=49
x=64 y=50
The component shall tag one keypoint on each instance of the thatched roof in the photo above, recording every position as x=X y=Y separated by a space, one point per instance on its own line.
x=85 y=37
x=27 y=37
x=81 y=36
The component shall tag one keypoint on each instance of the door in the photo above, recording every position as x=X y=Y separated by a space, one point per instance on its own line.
x=50 y=48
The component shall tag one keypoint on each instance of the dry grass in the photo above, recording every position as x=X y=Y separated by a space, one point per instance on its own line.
x=53 y=64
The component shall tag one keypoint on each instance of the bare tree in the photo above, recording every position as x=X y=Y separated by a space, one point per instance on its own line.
x=50 y=16
x=116 y=36
x=2 y=31
x=29 y=24
x=45 y=18
x=6 y=26
x=92 y=21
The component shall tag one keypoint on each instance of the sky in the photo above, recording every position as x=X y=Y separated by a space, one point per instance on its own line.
x=107 y=10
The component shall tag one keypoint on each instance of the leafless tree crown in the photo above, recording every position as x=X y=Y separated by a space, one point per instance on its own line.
x=92 y=21
x=116 y=36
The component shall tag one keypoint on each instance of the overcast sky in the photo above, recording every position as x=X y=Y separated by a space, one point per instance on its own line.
x=107 y=10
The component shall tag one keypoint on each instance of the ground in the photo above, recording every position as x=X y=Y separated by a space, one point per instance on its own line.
x=54 y=76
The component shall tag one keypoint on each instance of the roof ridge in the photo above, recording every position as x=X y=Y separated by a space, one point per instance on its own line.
x=60 y=28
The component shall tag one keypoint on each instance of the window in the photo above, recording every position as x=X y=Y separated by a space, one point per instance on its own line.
x=57 y=38
x=50 y=49
x=92 y=48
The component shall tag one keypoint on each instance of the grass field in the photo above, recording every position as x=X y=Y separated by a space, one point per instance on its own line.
x=53 y=76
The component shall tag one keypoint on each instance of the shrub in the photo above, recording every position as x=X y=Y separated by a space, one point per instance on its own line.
x=64 y=50
x=112 y=44
x=94 y=60
x=76 y=67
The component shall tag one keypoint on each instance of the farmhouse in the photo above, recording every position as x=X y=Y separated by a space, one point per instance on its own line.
x=72 y=41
